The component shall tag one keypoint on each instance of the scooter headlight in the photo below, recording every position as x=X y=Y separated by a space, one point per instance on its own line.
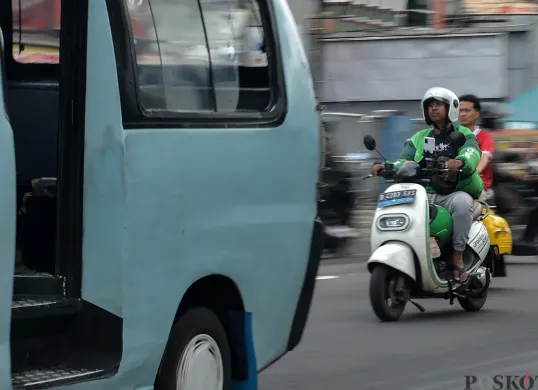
x=392 y=222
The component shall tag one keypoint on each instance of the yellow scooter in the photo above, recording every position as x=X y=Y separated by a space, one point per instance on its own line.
x=500 y=237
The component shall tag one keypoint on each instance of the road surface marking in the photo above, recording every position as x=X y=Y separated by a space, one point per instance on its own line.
x=327 y=277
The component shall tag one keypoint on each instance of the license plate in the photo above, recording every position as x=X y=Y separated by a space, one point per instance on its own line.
x=397 y=197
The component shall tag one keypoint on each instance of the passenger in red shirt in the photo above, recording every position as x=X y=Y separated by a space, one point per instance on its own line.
x=469 y=114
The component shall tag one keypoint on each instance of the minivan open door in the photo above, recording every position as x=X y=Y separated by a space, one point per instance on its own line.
x=8 y=215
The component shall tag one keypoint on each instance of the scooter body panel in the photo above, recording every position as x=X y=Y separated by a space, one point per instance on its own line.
x=479 y=239
x=397 y=255
x=415 y=234
x=499 y=232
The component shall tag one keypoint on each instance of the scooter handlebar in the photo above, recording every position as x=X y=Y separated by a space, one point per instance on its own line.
x=441 y=170
x=382 y=173
x=390 y=174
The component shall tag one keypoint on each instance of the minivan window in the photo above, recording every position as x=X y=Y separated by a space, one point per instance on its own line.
x=200 y=55
x=36 y=31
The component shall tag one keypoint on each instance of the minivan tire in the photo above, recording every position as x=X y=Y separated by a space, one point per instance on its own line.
x=196 y=323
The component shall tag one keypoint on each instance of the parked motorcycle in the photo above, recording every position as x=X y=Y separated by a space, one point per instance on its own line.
x=412 y=248
x=516 y=193
x=336 y=200
x=515 y=185
x=335 y=207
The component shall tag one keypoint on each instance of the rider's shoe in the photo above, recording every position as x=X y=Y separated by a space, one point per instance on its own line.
x=461 y=272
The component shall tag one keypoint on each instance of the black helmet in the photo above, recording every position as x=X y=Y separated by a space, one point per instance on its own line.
x=492 y=115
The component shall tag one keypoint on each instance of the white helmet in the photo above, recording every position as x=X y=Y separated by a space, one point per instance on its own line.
x=442 y=95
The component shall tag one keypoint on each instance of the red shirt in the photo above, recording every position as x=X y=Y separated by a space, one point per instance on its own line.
x=485 y=143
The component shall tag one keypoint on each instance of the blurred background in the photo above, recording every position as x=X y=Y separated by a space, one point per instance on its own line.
x=372 y=61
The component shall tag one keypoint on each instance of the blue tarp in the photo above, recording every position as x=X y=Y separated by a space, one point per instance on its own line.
x=524 y=108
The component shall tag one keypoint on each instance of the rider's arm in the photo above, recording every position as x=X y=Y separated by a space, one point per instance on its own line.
x=487 y=147
x=408 y=154
x=469 y=153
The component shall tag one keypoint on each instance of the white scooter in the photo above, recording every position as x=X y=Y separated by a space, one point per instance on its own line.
x=412 y=248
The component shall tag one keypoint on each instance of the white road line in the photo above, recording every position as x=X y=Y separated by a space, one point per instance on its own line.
x=327 y=277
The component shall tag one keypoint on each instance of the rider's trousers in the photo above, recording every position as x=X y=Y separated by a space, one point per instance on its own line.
x=460 y=206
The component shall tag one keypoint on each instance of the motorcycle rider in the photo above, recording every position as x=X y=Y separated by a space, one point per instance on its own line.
x=440 y=108
x=470 y=110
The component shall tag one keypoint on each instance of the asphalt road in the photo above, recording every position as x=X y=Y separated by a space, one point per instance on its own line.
x=345 y=347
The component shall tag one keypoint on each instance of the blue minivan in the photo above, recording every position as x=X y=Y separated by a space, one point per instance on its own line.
x=158 y=196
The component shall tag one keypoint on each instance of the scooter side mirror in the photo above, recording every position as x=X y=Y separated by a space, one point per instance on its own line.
x=369 y=142
x=457 y=139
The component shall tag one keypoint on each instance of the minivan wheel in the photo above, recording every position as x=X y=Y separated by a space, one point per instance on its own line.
x=197 y=355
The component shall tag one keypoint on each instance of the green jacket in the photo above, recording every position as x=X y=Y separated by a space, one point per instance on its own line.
x=469 y=154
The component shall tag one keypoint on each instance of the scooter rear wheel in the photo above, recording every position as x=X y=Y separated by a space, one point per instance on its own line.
x=382 y=281
x=473 y=303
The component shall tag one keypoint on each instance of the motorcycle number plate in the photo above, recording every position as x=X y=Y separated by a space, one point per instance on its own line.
x=397 y=197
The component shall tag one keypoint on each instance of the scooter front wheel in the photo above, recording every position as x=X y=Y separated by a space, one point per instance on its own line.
x=383 y=295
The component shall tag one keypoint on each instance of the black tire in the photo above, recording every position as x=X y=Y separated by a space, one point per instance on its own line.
x=499 y=270
x=473 y=304
x=379 y=283
x=196 y=321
